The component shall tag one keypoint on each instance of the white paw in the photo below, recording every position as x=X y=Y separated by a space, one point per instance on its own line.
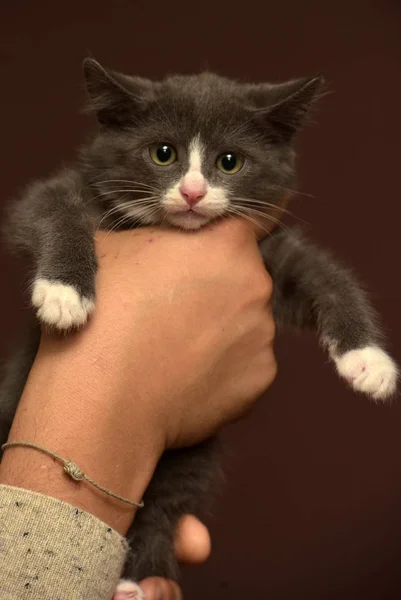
x=369 y=370
x=60 y=305
x=128 y=590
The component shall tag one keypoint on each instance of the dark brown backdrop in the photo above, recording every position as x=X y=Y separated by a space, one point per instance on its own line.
x=312 y=508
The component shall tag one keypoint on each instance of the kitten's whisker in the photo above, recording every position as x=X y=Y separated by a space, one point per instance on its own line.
x=264 y=203
x=244 y=213
x=136 y=191
x=131 y=218
x=130 y=181
x=133 y=185
x=128 y=218
x=118 y=222
x=248 y=206
x=259 y=213
x=148 y=208
x=129 y=203
x=145 y=218
x=124 y=185
x=294 y=192
x=110 y=227
x=94 y=182
x=125 y=195
x=117 y=225
x=113 y=210
x=122 y=206
x=247 y=217
x=119 y=191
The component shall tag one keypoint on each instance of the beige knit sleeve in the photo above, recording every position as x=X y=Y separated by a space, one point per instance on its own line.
x=50 y=550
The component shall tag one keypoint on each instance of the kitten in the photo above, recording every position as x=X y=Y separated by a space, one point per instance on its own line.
x=185 y=151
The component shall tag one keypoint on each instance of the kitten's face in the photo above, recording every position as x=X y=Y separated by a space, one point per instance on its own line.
x=197 y=194
x=188 y=150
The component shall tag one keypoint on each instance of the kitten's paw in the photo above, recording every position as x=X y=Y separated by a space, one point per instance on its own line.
x=369 y=370
x=60 y=305
x=128 y=590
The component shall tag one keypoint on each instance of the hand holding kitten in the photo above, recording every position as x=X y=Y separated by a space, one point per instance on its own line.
x=180 y=343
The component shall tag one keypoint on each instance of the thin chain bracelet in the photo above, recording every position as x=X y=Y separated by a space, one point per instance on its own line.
x=73 y=470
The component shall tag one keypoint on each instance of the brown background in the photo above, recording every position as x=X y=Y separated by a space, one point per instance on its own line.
x=312 y=508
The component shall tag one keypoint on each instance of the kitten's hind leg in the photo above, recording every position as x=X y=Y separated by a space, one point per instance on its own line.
x=311 y=289
x=182 y=484
x=51 y=223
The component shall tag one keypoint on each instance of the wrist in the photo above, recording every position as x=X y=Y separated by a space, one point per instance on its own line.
x=62 y=412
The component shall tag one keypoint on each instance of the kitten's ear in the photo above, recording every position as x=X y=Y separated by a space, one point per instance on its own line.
x=116 y=99
x=285 y=106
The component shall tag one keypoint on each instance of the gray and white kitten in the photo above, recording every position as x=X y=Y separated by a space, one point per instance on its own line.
x=184 y=151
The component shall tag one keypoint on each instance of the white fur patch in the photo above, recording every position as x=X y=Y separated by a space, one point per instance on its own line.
x=60 y=305
x=213 y=204
x=369 y=370
x=128 y=590
x=145 y=215
x=196 y=153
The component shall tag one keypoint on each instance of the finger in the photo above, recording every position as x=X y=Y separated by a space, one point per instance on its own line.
x=192 y=543
x=156 y=588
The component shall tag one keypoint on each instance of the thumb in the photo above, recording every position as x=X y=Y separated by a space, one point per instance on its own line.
x=192 y=542
x=192 y=546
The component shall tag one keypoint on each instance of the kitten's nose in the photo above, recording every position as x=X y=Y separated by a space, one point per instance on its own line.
x=193 y=191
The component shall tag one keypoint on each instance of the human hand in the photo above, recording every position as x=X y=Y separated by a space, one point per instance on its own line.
x=180 y=343
x=191 y=314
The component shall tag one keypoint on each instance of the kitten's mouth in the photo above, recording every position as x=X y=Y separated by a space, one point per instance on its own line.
x=188 y=219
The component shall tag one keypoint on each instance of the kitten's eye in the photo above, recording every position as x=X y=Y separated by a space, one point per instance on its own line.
x=163 y=154
x=229 y=163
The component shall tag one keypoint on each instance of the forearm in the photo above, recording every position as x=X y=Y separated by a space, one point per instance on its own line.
x=67 y=409
x=165 y=335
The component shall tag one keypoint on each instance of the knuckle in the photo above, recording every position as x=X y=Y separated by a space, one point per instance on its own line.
x=271 y=327
x=263 y=284
x=273 y=369
x=269 y=372
x=170 y=590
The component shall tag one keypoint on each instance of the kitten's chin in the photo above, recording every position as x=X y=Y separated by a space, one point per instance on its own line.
x=188 y=220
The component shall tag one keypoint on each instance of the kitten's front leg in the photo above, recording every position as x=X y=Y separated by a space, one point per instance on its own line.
x=60 y=305
x=52 y=224
x=311 y=289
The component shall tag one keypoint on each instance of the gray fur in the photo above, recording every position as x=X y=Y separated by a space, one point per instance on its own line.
x=55 y=220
